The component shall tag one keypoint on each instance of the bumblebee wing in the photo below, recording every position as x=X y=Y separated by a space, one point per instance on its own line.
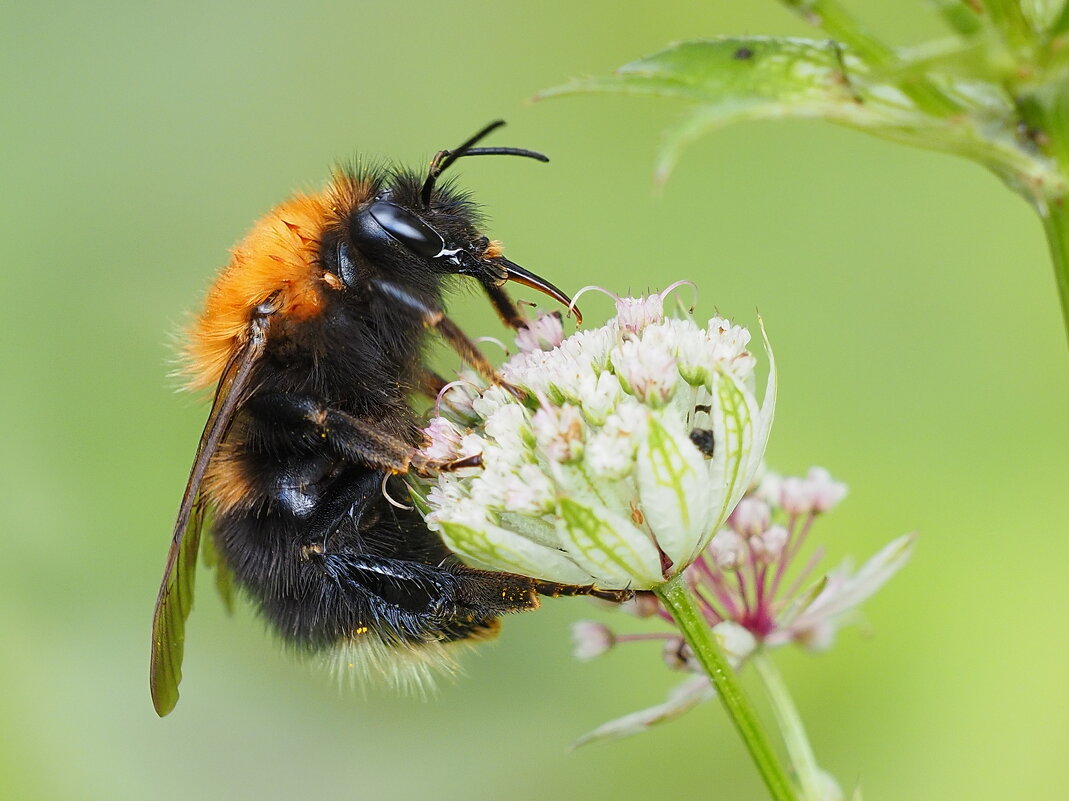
x=224 y=578
x=175 y=598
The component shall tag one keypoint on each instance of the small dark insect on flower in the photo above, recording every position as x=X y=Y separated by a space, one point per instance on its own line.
x=313 y=338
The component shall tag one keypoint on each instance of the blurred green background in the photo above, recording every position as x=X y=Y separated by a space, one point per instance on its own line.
x=908 y=296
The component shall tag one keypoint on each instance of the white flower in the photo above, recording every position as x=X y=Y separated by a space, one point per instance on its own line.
x=634 y=445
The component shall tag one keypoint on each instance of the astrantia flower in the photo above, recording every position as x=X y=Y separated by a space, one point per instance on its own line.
x=757 y=588
x=635 y=443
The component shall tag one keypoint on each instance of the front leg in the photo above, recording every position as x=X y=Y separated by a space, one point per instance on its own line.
x=360 y=441
x=504 y=305
x=433 y=317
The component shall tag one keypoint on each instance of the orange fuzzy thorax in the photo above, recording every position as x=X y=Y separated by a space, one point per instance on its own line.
x=279 y=255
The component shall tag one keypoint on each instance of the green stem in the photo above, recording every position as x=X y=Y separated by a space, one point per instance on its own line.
x=1010 y=21
x=1045 y=110
x=677 y=599
x=1055 y=219
x=790 y=724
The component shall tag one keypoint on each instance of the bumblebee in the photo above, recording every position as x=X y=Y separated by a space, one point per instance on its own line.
x=313 y=337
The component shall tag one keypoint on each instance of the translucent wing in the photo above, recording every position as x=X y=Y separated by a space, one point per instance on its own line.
x=224 y=578
x=176 y=591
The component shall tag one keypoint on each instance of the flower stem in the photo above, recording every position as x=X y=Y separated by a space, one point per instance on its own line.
x=1056 y=226
x=790 y=724
x=1045 y=109
x=677 y=599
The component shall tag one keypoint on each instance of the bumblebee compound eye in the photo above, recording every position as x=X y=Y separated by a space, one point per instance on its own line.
x=383 y=221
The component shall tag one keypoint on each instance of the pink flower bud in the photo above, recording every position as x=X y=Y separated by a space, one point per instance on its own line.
x=796 y=497
x=751 y=517
x=678 y=655
x=543 y=333
x=647 y=370
x=591 y=640
x=445 y=440
x=634 y=314
x=728 y=550
x=768 y=545
x=826 y=493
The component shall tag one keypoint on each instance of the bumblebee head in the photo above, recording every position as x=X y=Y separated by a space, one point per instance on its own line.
x=419 y=230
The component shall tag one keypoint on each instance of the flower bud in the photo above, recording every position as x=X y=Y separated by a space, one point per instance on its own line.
x=559 y=432
x=795 y=497
x=728 y=550
x=444 y=440
x=768 y=545
x=825 y=492
x=590 y=640
x=545 y=332
x=678 y=655
x=634 y=314
x=751 y=517
x=646 y=370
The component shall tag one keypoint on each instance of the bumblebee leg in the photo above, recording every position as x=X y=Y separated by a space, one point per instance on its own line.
x=434 y=317
x=411 y=601
x=430 y=383
x=347 y=497
x=504 y=306
x=353 y=439
x=553 y=590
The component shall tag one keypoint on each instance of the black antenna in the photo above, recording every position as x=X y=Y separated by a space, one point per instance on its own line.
x=443 y=158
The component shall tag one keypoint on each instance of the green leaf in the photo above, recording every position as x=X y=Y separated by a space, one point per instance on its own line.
x=748 y=78
x=959 y=15
x=734 y=70
x=735 y=78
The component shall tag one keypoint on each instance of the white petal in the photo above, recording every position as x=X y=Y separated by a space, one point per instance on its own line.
x=734 y=417
x=608 y=546
x=680 y=700
x=673 y=489
x=830 y=788
x=842 y=596
x=768 y=408
x=737 y=642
